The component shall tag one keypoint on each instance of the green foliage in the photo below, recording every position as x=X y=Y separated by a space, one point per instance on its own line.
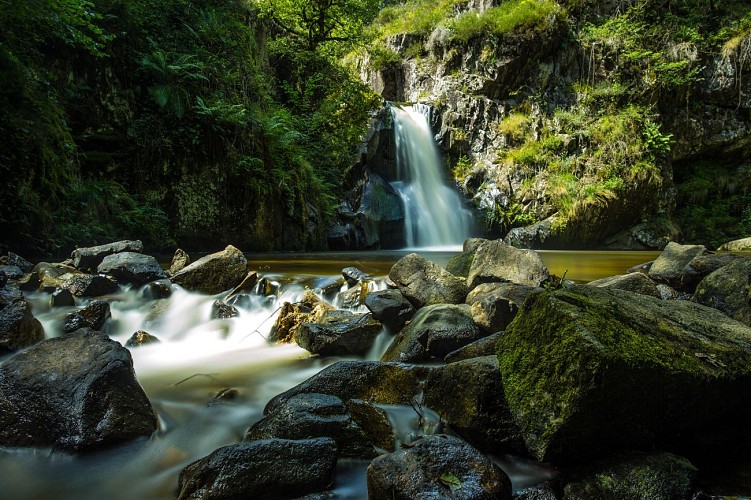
x=510 y=15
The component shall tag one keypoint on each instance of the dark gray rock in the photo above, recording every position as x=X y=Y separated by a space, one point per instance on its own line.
x=93 y=315
x=74 y=393
x=381 y=214
x=214 y=273
x=436 y=467
x=589 y=370
x=81 y=285
x=702 y=266
x=159 y=289
x=132 y=267
x=424 y=282
x=9 y=294
x=179 y=261
x=632 y=282
x=468 y=395
x=544 y=491
x=390 y=307
x=18 y=326
x=268 y=468
x=728 y=289
x=141 y=338
x=494 y=305
x=357 y=435
x=668 y=267
x=13 y=259
x=3 y=278
x=44 y=271
x=353 y=276
x=495 y=261
x=374 y=381
x=222 y=310
x=338 y=333
x=434 y=332
x=62 y=298
x=11 y=272
x=659 y=476
x=486 y=346
x=87 y=259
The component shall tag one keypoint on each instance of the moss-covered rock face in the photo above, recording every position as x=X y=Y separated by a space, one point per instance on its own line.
x=587 y=370
x=729 y=290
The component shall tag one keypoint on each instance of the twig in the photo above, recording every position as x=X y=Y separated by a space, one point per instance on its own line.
x=209 y=375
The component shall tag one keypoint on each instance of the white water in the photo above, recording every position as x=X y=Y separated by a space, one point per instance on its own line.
x=434 y=214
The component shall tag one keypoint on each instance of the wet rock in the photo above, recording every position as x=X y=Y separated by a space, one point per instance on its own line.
x=291 y=316
x=141 y=338
x=537 y=235
x=667 y=292
x=267 y=468
x=374 y=381
x=246 y=286
x=222 y=310
x=3 y=278
x=390 y=307
x=87 y=259
x=80 y=285
x=486 y=346
x=702 y=266
x=353 y=297
x=94 y=316
x=728 y=289
x=62 y=298
x=9 y=294
x=179 y=261
x=213 y=273
x=459 y=265
x=380 y=214
x=74 y=393
x=640 y=268
x=321 y=415
x=544 y=491
x=658 y=475
x=13 y=259
x=742 y=245
x=494 y=305
x=159 y=289
x=632 y=282
x=668 y=267
x=18 y=327
x=353 y=276
x=434 y=332
x=424 y=282
x=44 y=271
x=338 y=333
x=436 y=467
x=468 y=395
x=495 y=261
x=588 y=370
x=11 y=272
x=228 y=394
x=132 y=267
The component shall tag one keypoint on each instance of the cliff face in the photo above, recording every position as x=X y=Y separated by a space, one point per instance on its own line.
x=573 y=129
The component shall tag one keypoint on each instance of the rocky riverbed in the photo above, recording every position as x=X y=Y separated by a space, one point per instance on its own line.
x=625 y=387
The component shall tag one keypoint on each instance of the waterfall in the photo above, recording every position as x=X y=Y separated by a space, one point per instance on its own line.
x=433 y=212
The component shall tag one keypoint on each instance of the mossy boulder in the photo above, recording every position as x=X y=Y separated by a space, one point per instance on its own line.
x=495 y=261
x=292 y=315
x=434 y=332
x=425 y=283
x=338 y=333
x=213 y=273
x=587 y=370
x=668 y=267
x=494 y=305
x=728 y=289
x=654 y=476
x=631 y=282
x=742 y=245
x=468 y=395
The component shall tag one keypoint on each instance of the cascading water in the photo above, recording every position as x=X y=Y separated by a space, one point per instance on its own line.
x=433 y=212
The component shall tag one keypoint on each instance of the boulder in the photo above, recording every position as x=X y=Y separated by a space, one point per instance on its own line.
x=354 y=297
x=434 y=332
x=74 y=393
x=425 y=283
x=132 y=267
x=179 y=261
x=13 y=259
x=80 y=285
x=292 y=315
x=468 y=395
x=495 y=261
x=159 y=289
x=93 y=316
x=213 y=273
x=11 y=272
x=436 y=467
x=18 y=326
x=631 y=282
x=353 y=276
x=390 y=307
x=486 y=346
x=267 y=468
x=41 y=272
x=379 y=383
x=322 y=415
x=728 y=290
x=702 y=266
x=3 y=278
x=222 y=310
x=9 y=294
x=657 y=475
x=742 y=245
x=338 y=333
x=246 y=286
x=381 y=214
x=87 y=259
x=668 y=267
x=494 y=305
x=667 y=292
x=141 y=338
x=587 y=370
x=62 y=297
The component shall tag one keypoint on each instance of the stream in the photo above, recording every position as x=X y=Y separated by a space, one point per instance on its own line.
x=198 y=357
